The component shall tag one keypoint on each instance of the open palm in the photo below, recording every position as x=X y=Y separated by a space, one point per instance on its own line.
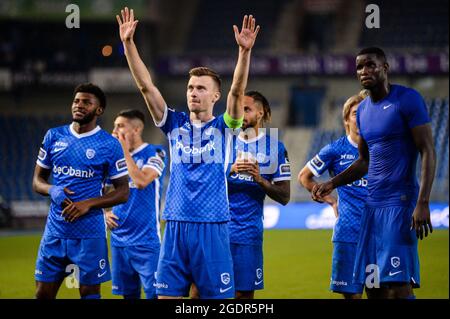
x=127 y=25
x=246 y=38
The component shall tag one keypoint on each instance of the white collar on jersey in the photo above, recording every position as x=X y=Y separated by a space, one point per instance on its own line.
x=140 y=148
x=253 y=139
x=91 y=132
x=199 y=124
x=351 y=141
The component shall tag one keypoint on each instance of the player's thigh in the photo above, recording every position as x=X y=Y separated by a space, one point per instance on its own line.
x=52 y=261
x=210 y=260
x=125 y=279
x=90 y=255
x=173 y=276
x=343 y=262
x=247 y=267
x=144 y=260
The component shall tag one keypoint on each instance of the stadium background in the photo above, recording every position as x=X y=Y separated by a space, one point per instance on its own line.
x=303 y=62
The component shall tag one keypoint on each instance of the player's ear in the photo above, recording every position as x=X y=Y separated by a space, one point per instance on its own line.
x=216 y=97
x=99 y=111
x=386 y=67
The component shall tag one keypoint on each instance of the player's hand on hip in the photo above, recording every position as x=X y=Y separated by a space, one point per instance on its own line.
x=75 y=210
x=319 y=191
x=421 y=220
x=127 y=24
x=111 y=220
x=246 y=38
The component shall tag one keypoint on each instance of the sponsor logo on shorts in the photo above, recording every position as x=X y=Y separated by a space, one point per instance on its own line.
x=38 y=272
x=395 y=261
x=339 y=283
x=395 y=272
x=101 y=274
x=225 y=278
x=160 y=285
x=225 y=290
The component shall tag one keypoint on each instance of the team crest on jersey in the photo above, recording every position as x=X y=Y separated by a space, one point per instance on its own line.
x=261 y=158
x=395 y=262
x=90 y=153
x=139 y=163
x=102 y=263
x=225 y=278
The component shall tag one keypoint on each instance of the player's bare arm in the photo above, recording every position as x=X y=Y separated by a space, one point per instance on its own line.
x=153 y=98
x=279 y=191
x=140 y=177
x=306 y=179
x=245 y=40
x=423 y=139
x=118 y=196
x=354 y=172
x=41 y=185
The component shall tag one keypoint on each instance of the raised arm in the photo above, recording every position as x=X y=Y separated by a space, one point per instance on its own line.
x=153 y=98
x=356 y=171
x=245 y=40
x=423 y=139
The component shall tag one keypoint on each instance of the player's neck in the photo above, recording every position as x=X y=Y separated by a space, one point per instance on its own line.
x=380 y=92
x=136 y=145
x=202 y=117
x=84 y=128
x=354 y=138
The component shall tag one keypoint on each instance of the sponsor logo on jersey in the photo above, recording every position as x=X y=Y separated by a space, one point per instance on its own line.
x=195 y=150
x=121 y=164
x=242 y=177
x=42 y=154
x=285 y=169
x=70 y=171
x=59 y=146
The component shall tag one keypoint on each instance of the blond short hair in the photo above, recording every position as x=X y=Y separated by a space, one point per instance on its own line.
x=352 y=101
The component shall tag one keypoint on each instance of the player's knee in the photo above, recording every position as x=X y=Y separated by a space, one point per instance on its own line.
x=44 y=292
x=245 y=294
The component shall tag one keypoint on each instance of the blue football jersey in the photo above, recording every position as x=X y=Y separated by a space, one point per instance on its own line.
x=199 y=155
x=246 y=197
x=336 y=157
x=138 y=222
x=80 y=162
x=386 y=128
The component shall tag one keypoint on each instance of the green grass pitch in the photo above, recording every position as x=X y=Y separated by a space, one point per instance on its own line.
x=297 y=265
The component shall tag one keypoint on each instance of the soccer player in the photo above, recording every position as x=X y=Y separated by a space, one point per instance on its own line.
x=337 y=157
x=261 y=167
x=79 y=157
x=394 y=128
x=134 y=225
x=196 y=247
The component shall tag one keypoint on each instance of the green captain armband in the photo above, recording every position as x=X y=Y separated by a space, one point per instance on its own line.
x=232 y=123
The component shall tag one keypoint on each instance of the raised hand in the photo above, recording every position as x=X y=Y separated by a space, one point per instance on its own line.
x=127 y=25
x=246 y=38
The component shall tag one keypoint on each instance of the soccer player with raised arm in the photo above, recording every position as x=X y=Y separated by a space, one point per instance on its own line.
x=79 y=156
x=134 y=225
x=337 y=157
x=394 y=128
x=196 y=246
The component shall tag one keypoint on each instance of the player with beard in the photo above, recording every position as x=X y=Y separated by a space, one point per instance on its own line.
x=79 y=156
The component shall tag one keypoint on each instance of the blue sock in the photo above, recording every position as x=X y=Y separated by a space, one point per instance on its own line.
x=95 y=296
x=411 y=297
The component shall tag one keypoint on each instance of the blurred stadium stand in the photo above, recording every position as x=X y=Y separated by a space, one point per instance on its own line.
x=303 y=63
